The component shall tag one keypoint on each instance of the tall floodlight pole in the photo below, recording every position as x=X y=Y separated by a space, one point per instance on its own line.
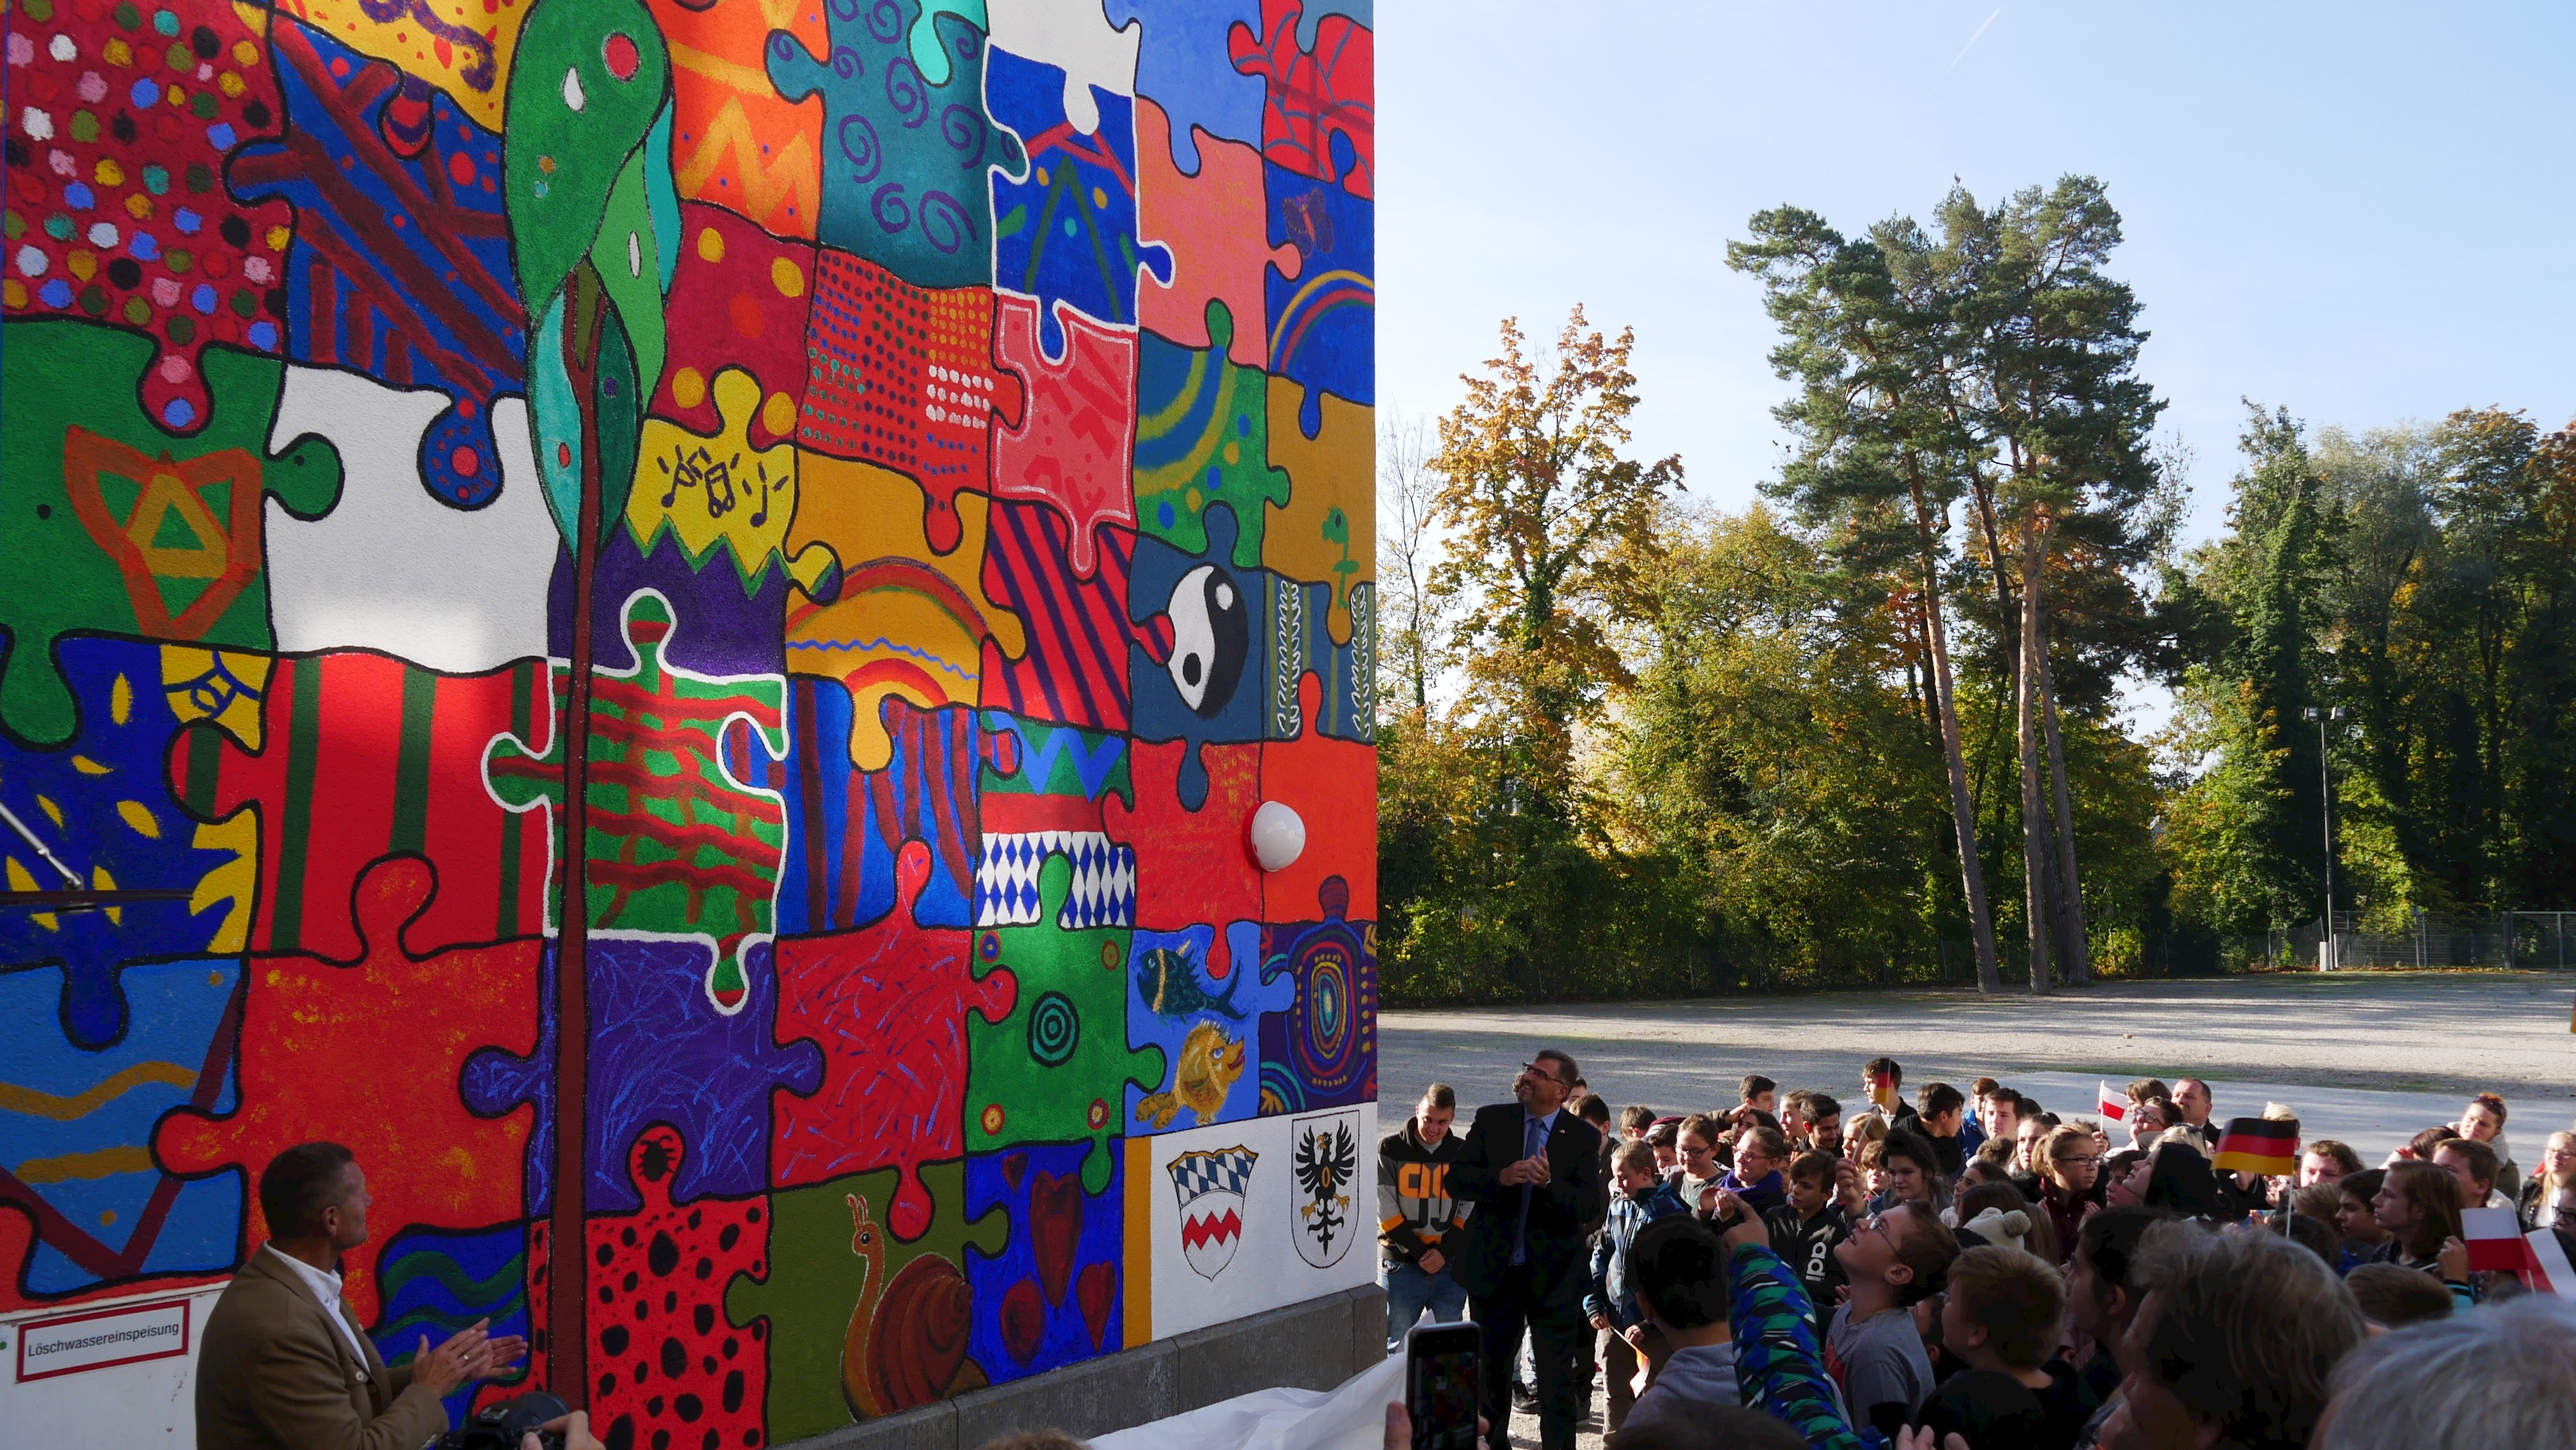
x=2325 y=794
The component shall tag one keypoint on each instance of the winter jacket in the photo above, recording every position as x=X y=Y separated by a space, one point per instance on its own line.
x=1414 y=1209
x=1777 y=1362
x=1772 y=1192
x=1611 y=1293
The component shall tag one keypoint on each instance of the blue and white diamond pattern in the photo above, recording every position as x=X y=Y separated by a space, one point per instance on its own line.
x=1225 y=1171
x=1006 y=879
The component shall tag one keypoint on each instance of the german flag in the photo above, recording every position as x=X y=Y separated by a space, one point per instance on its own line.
x=2258 y=1145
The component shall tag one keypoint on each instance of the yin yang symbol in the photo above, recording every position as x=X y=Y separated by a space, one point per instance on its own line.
x=1211 y=638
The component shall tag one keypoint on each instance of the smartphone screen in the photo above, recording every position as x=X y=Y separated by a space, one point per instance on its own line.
x=1440 y=1367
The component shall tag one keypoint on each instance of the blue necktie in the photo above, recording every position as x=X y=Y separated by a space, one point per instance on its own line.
x=1530 y=1141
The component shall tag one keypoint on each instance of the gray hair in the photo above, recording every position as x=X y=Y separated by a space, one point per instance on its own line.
x=2500 y=1375
x=2243 y=1329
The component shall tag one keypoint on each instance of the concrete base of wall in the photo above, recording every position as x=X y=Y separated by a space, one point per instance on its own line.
x=1311 y=1346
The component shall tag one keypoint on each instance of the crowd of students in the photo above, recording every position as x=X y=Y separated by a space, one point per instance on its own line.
x=1969 y=1269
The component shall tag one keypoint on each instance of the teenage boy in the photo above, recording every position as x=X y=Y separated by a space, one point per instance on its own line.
x=1416 y=1215
x=1807 y=1229
x=1882 y=1081
x=1640 y=1197
x=1942 y=1108
x=1634 y=1120
x=1999 y=1319
x=1760 y=1092
x=1999 y=1113
x=1893 y=1259
x=1824 y=1124
x=1972 y=1132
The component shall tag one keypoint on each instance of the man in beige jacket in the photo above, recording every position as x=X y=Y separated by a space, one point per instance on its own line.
x=285 y=1364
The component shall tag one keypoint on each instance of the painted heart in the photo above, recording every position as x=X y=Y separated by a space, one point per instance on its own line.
x=1097 y=1292
x=1023 y=1321
x=1055 y=1229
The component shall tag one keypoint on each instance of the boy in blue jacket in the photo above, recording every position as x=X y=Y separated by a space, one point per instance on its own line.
x=1642 y=1197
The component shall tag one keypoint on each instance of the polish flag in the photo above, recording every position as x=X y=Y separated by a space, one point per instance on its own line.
x=2549 y=1270
x=2115 y=1106
x=2495 y=1240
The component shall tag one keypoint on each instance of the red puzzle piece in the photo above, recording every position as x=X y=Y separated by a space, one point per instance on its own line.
x=887 y=1004
x=1191 y=866
x=1075 y=444
x=739 y=298
x=1216 y=225
x=1313 y=93
x=362 y=757
x=1332 y=786
x=668 y=1369
x=368 y=1054
x=903 y=377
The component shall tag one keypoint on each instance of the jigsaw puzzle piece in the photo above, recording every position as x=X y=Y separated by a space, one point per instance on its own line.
x=1206 y=223
x=1202 y=440
x=135 y=116
x=1182 y=63
x=1049 y=777
x=401 y=260
x=466 y=62
x=1067 y=234
x=1075 y=668
x=1075 y=445
x=1301 y=644
x=1053 y=1295
x=392 y=1030
x=867 y=1323
x=736 y=143
x=360 y=757
x=434 y=1282
x=903 y=376
x=667 y=1367
x=1321 y=534
x=1332 y=786
x=678 y=844
x=1202 y=1007
x=849 y=826
x=390 y=567
x=1076 y=39
x=132 y=529
x=898 y=618
x=909 y=196
x=674 y=1057
x=720 y=498
x=1322 y=1051
x=1201 y=670
x=740 y=299
x=102 y=807
x=1055 y=1069
x=1191 y=863
x=76 y=1131
x=1321 y=73
x=1323 y=320
x=888 y=1006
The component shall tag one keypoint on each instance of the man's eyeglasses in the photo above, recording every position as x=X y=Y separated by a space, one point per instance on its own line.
x=1543 y=1070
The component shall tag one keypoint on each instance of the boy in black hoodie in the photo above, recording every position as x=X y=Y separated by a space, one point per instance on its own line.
x=1416 y=1215
x=1805 y=1230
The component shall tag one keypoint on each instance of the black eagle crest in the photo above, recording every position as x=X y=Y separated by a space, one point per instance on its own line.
x=1325 y=1163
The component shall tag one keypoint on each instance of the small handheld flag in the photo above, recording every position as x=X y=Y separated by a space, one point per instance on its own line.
x=2549 y=1265
x=2114 y=1108
x=2258 y=1145
x=1882 y=1090
x=2494 y=1237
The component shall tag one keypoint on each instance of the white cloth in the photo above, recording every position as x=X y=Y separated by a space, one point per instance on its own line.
x=326 y=1287
x=1350 y=1417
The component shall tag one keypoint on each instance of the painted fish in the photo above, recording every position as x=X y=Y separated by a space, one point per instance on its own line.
x=1169 y=983
x=1210 y=1063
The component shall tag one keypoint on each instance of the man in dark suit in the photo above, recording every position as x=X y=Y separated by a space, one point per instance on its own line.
x=285 y=1364
x=1531 y=1168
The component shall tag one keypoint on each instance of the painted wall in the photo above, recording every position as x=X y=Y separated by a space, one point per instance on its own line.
x=891 y=490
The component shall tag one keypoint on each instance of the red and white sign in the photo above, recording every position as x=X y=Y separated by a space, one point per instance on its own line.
x=127 y=1334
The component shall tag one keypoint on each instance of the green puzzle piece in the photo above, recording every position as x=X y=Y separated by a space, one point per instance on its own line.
x=1057 y=760
x=818 y=1275
x=1056 y=1070
x=1203 y=437
x=109 y=524
x=677 y=842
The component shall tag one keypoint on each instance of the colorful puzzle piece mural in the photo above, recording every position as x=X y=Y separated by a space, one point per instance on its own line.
x=666 y=616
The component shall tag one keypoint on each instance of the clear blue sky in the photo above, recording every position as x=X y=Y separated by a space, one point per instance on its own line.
x=2362 y=212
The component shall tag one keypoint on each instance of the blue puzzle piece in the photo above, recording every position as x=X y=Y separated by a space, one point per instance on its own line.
x=1361 y=12
x=401 y=263
x=1321 y=1052
x=1026 y=1320
x=1068 y=232
x=435 y=1282
x=76 y=1135
x=1323 y=324
x=102 y=805
x=1300 y=641
x=1213 y=685
x=904 y=158
x=845 y=827
x=659 y=1053
x=1183 y=65
x=1175 y=994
